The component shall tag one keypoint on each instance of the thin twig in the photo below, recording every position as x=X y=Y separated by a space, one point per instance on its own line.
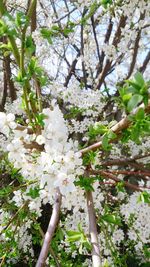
x=127 y=172
x=101 y=77
x=14 y=217
x=108 y=175
x=145 y=63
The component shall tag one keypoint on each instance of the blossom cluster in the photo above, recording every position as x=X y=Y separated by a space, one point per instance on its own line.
x=57 y=164
x=137 y=215
x=85 y=51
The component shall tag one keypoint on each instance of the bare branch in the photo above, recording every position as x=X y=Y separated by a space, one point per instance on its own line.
x=82 y=50
x=143 y=174
x=71 y=70
x=107 y=37
x=4 y=96
x=50 y=248
x=128 y=161
x=51 y=229
x=115 y=42
x=93 y=230
x=145 y=63
x=7 y=71
x=108 y=175
x=135 y=52
x=66 y=15
x=95 y=37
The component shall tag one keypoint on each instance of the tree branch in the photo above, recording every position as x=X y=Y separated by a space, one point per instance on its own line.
x=51 y=229
x=7 y=71
x=93 y=230
x=117 y=128
x=115 y=42
x=145 y=63
x=82 y=50
x=135 y=52
x=107 y=37
x=71 y=70
x=108 y=175
x=4 y=95
x=50 y=248
x=95 y=37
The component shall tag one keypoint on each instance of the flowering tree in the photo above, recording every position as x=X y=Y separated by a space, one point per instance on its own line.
x=74 y=129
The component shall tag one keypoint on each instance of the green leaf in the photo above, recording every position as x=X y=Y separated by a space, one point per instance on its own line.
x=106 y=138
x=50 y=33
x=135 y=134
x=106 y=264
x=5 y=191
x=33 y=192
x=35 y=70
x=81 y=248
x=134 y=85
x=85 y=183
x=144 y=90
x=67 y=31
x=146 y=126
x=120 y=186
x=134 y=101
x=73 y=236
x=46 y=34
x=32 y=96
x=111 y=135
x=40 y=119
x=140 y=114
x=97 y=129
x=72 y=233
x=29 y=45
x=7 y=27
x=3 y=28
x=105 y=3
x=126 y=97
x=111 y=218
x=80 y=228
x=146 y=251
x=144 y=197
x=145 y=100
x=21 y=20
x=5 y=46
x=139 y=79
x=21 y=79
x=133 y=90
x=60 y=234
x=94 y=6
x=89 y=158
x=32 y=66
x=74 y=112
x=105 y=143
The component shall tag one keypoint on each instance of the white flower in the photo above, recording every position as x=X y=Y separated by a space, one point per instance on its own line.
x=7 y=122
x=17 y=198
x=118 y=236
x=40 y=139
x=65 y=184
x=35 y=205
x=132 y=235
x=16 y=151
